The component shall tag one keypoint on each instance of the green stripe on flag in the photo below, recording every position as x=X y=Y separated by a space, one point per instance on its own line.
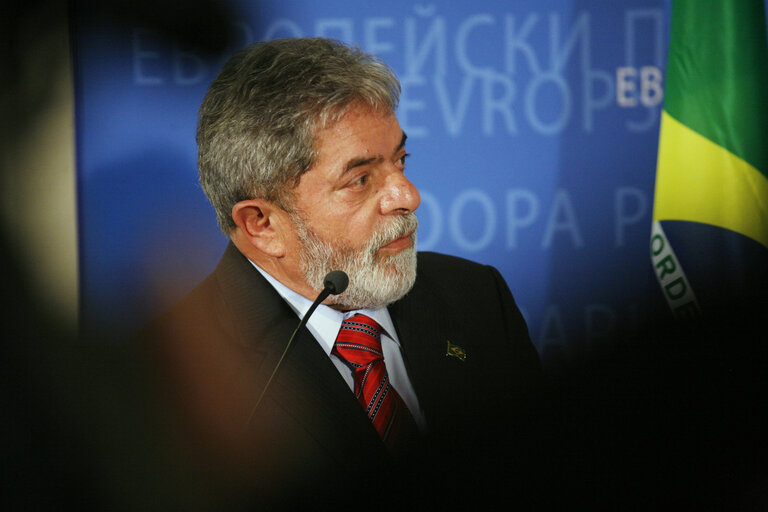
x=717 y=74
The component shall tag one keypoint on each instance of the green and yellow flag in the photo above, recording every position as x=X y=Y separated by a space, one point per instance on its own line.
x=713 y=147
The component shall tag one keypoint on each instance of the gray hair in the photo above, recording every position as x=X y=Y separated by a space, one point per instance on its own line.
x=261 y=115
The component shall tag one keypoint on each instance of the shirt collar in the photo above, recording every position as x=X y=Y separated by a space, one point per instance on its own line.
x=325 y=322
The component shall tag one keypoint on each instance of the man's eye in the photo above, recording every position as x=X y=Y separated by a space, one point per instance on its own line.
x=402 y=159
x=360 y=182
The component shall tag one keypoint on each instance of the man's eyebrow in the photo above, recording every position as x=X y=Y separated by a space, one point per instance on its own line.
x=358 y=162
x=402 y=143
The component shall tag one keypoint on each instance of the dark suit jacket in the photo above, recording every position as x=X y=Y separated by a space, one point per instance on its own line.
x=310 y=440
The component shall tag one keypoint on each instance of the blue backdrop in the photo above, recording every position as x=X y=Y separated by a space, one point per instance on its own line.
x=533 y=127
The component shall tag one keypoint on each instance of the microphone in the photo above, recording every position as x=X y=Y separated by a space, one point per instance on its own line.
x=335 y=282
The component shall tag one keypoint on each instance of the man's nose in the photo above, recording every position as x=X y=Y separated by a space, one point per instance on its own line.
x=400 y=195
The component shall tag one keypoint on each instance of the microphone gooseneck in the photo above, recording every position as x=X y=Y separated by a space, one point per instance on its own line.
x=334 y=283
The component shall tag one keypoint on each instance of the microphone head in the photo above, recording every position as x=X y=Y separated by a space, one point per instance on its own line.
x=336 y=282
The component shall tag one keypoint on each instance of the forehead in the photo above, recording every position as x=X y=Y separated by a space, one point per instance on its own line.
x=359 y=131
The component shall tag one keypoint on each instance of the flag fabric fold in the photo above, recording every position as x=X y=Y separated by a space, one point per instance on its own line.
x=713 y=148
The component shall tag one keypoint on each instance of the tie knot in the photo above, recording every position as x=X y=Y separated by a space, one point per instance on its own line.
x=359 y=340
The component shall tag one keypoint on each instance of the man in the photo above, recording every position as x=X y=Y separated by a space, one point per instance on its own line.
x=303 y=159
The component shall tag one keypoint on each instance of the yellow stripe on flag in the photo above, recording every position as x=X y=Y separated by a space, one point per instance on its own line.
x=699 y=181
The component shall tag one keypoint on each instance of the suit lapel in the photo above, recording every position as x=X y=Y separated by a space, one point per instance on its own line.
x=420 y=332
x=425 y=323
x=307 y=386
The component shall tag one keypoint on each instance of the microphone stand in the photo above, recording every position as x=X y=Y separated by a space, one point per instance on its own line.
x=335 y=283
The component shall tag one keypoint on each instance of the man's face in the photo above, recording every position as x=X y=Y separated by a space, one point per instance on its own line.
x=353 y=211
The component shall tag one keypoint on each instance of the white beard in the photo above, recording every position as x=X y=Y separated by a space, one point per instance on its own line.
x=374 y=280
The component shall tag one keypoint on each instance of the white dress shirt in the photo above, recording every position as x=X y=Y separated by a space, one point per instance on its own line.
x=325 y=323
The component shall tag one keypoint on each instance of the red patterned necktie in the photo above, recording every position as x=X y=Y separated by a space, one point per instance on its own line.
x=359 y=346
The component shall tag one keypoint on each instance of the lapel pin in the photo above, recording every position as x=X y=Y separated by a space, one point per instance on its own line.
x=455 y=351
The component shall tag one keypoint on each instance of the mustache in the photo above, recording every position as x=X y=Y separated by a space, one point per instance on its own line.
x=398 y=228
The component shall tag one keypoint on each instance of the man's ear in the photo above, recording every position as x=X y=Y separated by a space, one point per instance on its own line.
x=261 y=223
